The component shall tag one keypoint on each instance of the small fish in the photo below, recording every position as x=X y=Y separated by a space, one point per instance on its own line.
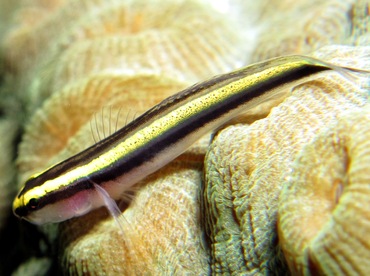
x=117 y=162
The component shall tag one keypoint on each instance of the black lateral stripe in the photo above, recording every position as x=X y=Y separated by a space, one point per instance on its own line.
x=97 y=149
x=183 y=129
x=64 y=193
x=197 y=121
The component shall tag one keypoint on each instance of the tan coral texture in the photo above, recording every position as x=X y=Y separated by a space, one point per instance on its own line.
x=284 y=194
x=244 y=175
x=329 y=184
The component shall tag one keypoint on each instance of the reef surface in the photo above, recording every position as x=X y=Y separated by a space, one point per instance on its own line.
x=287 y=195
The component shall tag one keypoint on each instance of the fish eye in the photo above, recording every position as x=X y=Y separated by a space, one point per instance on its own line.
x=33 y=203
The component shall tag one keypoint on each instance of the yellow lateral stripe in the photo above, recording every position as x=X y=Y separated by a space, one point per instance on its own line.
x=155 y=129
x=160 y=134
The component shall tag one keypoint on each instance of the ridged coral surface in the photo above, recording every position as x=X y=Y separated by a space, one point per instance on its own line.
x=245 y=175
x=330 y=233
x=287 y=194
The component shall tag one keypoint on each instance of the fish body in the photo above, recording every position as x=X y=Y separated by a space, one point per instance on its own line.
x=158 y=136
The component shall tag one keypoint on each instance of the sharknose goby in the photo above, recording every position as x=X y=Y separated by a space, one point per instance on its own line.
x=162 y=133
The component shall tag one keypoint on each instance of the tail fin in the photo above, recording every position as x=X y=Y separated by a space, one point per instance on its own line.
x=360 y=77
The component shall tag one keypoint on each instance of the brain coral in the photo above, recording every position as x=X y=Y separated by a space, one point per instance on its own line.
x=276 y=198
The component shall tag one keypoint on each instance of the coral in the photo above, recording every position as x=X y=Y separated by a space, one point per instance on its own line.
x=329 y=185
x=161 y=234
x=316 y=24
x=84 y=68
x=123 y=38
x=82 y=76
x=244 y=176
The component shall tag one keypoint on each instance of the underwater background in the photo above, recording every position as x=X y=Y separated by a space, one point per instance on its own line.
x=283 y=189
